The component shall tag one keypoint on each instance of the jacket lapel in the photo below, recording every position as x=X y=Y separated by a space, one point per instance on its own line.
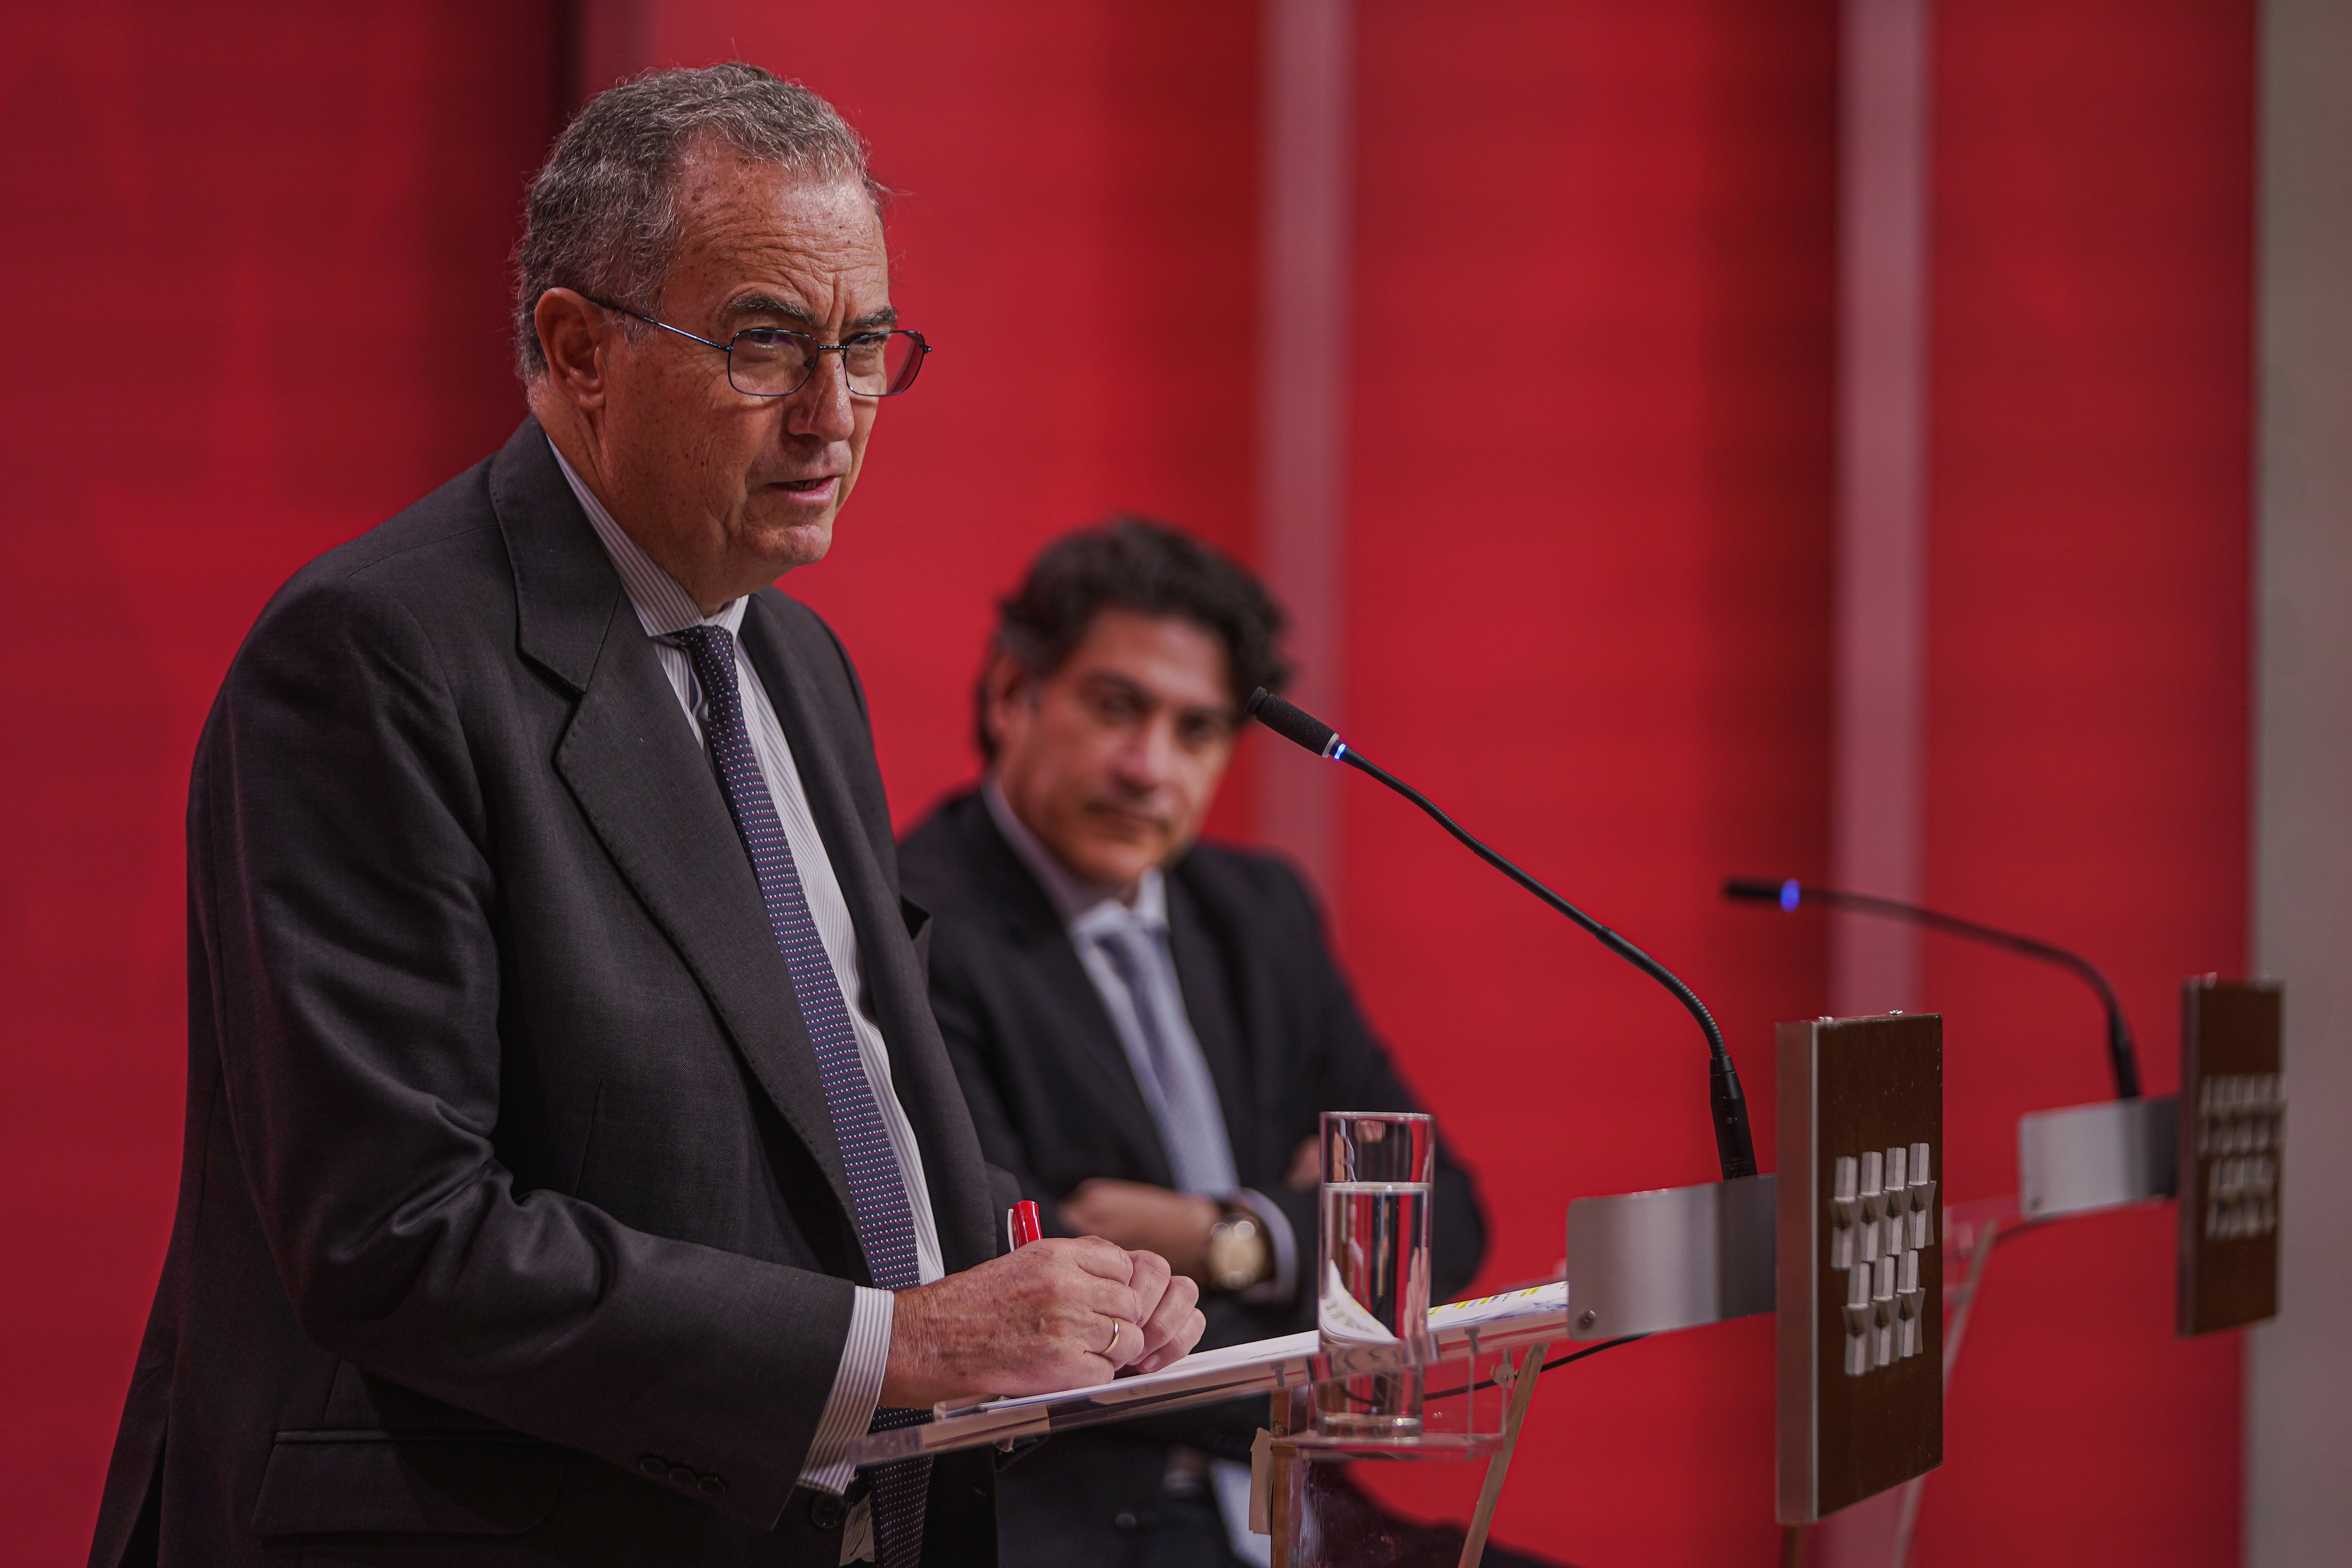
x=630 y=759
x=921 y=1075
x=1090 y=1049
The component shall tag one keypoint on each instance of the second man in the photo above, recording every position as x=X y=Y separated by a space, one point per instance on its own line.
x=1146 y=1028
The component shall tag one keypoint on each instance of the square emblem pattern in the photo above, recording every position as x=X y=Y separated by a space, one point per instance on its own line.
x=2241 y=1133
x=1882 y=1217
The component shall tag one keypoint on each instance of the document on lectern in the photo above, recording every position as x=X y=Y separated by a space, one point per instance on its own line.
x=1205 y=1378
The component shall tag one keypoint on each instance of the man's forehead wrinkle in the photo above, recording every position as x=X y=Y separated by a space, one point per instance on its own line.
x=740 y=221
x=781 y=276
x=759 y=304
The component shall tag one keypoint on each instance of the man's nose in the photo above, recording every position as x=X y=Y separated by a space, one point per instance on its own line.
x=822 y=408
x=1149 y=757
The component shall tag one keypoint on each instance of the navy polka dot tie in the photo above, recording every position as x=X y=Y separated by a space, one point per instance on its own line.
x=885 y=1224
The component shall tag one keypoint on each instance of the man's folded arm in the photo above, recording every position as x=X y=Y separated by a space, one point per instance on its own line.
x=356 y=972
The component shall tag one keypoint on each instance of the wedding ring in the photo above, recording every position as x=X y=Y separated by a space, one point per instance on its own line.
x=1110 y=1350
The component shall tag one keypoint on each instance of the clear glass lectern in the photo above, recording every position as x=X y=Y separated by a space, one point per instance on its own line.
x=1475 y=1365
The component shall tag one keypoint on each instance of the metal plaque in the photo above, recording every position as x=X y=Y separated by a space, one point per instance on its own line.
x=1641 y=1263
x=2233 y=1143
x=1860 y=1269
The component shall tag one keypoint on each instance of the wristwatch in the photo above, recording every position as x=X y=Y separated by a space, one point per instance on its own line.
x=1238 y=1255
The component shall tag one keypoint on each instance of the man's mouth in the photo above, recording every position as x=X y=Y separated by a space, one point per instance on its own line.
x=1121 y=819
x=819 y=488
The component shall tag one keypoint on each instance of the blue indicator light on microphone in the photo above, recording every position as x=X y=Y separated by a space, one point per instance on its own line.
x=1790 y=893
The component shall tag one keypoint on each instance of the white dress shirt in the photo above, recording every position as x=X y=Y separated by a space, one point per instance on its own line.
x=664 y=610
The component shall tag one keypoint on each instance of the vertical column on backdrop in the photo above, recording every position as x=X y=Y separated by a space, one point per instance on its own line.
x=1880 y=717
x=2299 y=1372
x=1305 y=234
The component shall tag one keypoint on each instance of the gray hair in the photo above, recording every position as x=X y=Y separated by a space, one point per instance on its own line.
x=602 y=216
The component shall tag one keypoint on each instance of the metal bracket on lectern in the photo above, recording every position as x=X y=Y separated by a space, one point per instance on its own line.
x=2086 y=1157
x=1641 y=1263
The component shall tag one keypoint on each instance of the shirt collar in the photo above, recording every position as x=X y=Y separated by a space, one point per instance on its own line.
x=1085 y=908
x=664 y=608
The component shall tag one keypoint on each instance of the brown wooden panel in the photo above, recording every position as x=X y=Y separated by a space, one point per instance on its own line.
x=2233 y=1127
x=1857 y=1089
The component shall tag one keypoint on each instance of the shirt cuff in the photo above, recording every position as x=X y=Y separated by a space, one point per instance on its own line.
x=1284 y=1285
x=857 y=1391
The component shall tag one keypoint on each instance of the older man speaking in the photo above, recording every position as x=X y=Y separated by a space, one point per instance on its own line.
x=573 y=1164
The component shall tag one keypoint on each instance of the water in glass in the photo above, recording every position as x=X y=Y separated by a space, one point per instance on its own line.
x=1373 y=1258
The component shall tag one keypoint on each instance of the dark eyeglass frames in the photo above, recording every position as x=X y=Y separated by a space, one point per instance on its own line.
x=776 y=362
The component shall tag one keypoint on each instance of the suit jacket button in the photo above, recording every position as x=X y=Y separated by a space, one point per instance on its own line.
x=653 y=1464
x=712 y=1485
x=681 y=1476
x=826 y=1512
x=1125 y=1521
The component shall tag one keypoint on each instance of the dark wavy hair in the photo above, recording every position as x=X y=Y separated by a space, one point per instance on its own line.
x=1148 y=568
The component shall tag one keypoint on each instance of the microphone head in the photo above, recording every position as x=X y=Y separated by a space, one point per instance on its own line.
x=1764 y=890
x=1292 y=722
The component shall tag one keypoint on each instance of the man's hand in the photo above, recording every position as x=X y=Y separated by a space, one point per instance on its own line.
x=1151 y=1219
x=1056 y=1314
x=1306 y=1165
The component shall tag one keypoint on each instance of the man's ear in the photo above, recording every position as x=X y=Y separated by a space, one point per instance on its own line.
x=1010 y=685
x=572 y=332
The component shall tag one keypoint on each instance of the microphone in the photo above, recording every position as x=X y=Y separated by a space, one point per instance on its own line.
x=1735 y=1146
x=2122 y=1056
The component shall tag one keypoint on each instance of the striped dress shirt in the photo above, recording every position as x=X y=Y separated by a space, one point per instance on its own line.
x=664 y=610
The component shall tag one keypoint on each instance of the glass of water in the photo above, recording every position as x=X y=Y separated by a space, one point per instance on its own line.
x=1373 y=1255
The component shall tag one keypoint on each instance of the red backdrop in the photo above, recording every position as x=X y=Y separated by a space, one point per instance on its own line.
x=1586 y=599
x=2088 y=679
x=255 y=263
x=1588 y=608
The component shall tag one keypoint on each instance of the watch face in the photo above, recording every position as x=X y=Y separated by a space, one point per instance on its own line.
x=1237 y=1254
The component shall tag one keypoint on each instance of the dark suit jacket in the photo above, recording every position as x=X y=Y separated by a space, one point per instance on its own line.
x=511 y=1226
x=1055 y=1103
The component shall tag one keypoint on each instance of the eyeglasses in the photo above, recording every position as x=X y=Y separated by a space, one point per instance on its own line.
x=776 y=362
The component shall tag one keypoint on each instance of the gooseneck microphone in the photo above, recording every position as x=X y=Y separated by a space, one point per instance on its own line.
x=1735 y=1146
x=1790 y=893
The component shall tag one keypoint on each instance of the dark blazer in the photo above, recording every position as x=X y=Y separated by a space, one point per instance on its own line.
x=511 y=1227
x=1055 y=1103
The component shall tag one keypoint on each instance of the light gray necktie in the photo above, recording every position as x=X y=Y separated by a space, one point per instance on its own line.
x=1181 y=1095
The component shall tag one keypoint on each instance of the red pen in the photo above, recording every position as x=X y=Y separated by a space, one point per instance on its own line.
x=1021 y=1226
